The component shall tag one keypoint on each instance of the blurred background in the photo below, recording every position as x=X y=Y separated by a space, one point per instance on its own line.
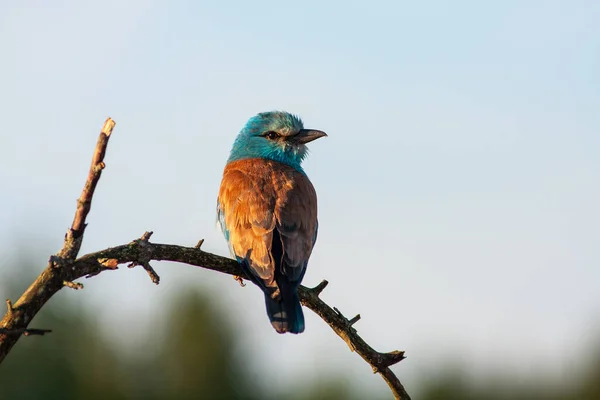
x=458 y=193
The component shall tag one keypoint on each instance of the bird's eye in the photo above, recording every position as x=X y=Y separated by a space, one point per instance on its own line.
x=271 y=135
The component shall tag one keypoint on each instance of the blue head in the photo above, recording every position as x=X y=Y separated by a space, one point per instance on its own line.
x=274 y=135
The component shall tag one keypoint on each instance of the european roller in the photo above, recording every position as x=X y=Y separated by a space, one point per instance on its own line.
x=267 y=209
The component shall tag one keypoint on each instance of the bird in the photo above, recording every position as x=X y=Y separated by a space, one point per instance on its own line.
x=267 y=210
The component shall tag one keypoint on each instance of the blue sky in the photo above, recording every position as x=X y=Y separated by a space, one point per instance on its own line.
x=458 y=186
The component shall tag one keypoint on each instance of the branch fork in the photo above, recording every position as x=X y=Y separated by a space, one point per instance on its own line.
x=144 y=260
x=65 y=268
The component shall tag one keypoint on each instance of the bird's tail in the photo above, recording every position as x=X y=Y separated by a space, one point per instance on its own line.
x=286 y=314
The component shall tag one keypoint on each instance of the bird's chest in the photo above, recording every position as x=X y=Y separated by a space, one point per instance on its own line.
x=278 y=183
x=255 y=183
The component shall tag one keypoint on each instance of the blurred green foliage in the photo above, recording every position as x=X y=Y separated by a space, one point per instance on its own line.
x=454 y=386
x=195 y=358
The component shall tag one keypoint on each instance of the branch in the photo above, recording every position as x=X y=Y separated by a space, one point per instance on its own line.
x=74 y=236
x=64 y=268
x=17 y=318
x=379 y=362
x=25 y=331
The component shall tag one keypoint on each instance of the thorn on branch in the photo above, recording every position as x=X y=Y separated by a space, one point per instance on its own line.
x=240 y=280
x=151 y=272
x=9 y=306
x=146 y=236
x=349 y=322
x=40 y=332
x=354 y=320
x=199 y=244
x=24 y=331
x=338 y=312
x=73 y=285
x=319 y=288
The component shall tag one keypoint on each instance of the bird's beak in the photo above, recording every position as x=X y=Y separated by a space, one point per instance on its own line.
x=308 y=135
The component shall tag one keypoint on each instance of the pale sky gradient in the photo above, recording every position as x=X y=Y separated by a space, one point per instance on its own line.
x=458 y=188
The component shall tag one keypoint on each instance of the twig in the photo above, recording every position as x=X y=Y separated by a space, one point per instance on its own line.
x=91 y=264
x=144 y=260
x=74 y=236
x=64 y=268
x=379 y=362
x=24 y=331
x=53 y=278
x=320 y=287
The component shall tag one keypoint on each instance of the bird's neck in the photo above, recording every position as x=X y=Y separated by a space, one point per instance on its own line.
x=283 y=160
x=241 y=151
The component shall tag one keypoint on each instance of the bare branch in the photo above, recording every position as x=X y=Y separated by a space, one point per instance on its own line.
x=20 y=331
x=65 y=268
x=140 y=251
x=354 y=320
x=379 y=362
x=53 y=278
x=74 y=236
